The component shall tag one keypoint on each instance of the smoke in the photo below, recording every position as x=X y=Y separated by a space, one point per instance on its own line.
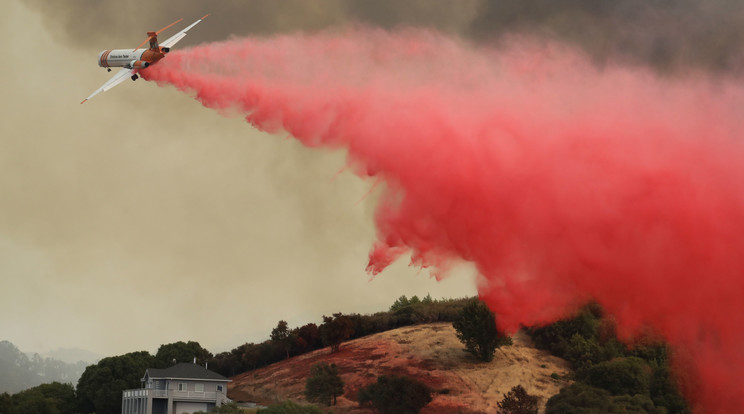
x=667 y=35
x=560 y=181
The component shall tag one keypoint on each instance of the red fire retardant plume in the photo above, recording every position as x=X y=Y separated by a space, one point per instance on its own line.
x=561 y=181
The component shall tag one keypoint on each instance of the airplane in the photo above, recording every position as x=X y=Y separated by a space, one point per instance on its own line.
x=132 y=60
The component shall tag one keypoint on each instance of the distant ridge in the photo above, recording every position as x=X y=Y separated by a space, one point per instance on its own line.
x=73 y=355
x=21 y=371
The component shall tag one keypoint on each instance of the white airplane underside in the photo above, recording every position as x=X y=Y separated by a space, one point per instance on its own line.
x=131 y=60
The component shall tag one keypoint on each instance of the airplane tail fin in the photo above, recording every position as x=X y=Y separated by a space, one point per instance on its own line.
x=153 y=36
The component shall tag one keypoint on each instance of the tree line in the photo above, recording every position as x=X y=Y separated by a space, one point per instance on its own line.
x=608 y=375
x=99 y=389
x=285 y=342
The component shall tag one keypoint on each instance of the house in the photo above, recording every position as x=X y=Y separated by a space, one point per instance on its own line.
x=182 y=388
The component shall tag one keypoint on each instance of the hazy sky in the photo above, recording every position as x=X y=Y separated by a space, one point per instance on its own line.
x=142 y=218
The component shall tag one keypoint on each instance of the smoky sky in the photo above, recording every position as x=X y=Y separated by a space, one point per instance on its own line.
x=665 y=34
x=108 y=205
x=141 y=218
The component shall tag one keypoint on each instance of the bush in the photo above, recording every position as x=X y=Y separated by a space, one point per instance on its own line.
x=289 y=407
x=580 y=398
x=517 y=401
x=395 y=395
x=620 y=376
x=563 y=337
x=231 y=408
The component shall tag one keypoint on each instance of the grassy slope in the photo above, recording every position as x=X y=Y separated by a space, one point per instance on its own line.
x=430 y=353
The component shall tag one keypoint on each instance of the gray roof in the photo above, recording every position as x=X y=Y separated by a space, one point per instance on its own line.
x=184 y=370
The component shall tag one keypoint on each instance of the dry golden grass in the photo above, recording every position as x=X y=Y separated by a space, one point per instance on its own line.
x=429 y=353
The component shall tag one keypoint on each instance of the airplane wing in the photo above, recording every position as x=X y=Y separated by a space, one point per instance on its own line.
x=118 y=78
x=180 y=35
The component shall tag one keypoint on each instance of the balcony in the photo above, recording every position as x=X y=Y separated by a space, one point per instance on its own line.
x=176 y=395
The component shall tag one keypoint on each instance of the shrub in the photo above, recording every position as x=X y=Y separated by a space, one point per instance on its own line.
x=580 y=398
x=289 y=407
x=395 y=395
x=517 y=401
x=620 y=376
x=231 y=408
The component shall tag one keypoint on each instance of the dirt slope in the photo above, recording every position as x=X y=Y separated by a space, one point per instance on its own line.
x=430 y=353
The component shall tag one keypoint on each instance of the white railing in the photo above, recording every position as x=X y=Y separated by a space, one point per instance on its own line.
x=191 y=395
x=202 y=395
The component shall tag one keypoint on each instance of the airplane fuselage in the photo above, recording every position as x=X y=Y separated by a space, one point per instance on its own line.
x=132 y=60
x=128 y=58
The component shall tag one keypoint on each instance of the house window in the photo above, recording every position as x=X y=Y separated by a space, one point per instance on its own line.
x=199 y=387
x=181 y=386
x=219 y=388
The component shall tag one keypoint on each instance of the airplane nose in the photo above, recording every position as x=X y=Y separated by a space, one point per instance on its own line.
x=102 y=58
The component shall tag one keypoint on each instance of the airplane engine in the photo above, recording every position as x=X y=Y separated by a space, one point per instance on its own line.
x=165 y=49
x=139 y=64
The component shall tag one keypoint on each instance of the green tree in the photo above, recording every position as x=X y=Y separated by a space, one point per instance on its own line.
x=324 y=384
x=395 y=395
x=99 y=388
x=306 y=338
x=664 y=392
x=53 y=398
x=399 y=303
x=335 y=330
x=6 y=404
x=476 y=328
x=62 y=395
x=181 y=352
x=583 y=352
x=289 y=407
x=282 y=337
x=33 y=402
x=517 y=401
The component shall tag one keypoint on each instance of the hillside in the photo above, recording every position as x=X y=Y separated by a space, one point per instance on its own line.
x=430 y=353
x=19 y=371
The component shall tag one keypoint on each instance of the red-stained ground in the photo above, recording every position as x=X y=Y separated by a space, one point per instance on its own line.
x=429 y=353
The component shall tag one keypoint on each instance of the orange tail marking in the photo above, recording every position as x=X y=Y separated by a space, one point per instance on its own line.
x=141 y=44
x=156 y=33
x=166 y=27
